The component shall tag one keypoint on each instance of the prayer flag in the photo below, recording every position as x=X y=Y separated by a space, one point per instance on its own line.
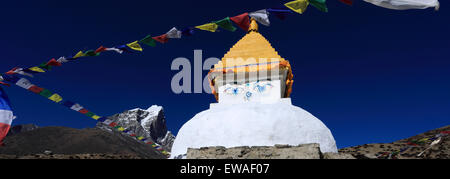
x=174 y=33
x=56 y=98
x=114 y=49
x=148 y=40
x=76 y=107
x=96 y=117
x=11 y=79
x=62 y=60
x=45 y=93
x=348 y=2
x=45 y=66
x=188 y=31
x=212 y=27
x=280 y=13
x=24 y=83
x=36 y=69
x=319 y=4
x=83 y=111
x=100 y=49
x=91 y=53
x=162 y=38
x=242 y=21
x=261 y=16
x=298 y=6
x=79 y=54
x=226 y=24
x=135 y=46
x=68 y=104
x=53 y=62
x=89 y=114
x=6 y=115
x=405 y=4
x=35 y=89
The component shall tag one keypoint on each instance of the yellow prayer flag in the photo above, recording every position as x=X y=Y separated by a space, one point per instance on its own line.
x=95 y=117
x=140 y=138
x=56 y=98
x=121 y=129
x=135 y=46
x=79 y=54
x=298 y=6
x=212 y=27
x=36 y=69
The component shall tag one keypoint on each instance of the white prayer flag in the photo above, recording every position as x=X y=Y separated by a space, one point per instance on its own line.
x=261 y=16
x=405 y=4
x=174 y=33
x=76 y=107
x=24 y=83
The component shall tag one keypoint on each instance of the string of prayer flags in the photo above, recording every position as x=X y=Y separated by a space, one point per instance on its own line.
x=19 y=71
x=298 y=6
x=174 y=33
x=319 y=4
x=148 y=40
x=261 y=16
x=135 y=46
x=162 y=38
x=242 y=21
x=212 y=27
x=226 y=24
x=406 y=4
x=348 y=2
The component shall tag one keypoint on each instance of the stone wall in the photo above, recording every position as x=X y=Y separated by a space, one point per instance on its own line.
x=305 y=151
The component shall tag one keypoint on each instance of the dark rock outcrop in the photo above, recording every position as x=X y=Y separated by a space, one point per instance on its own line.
x=69 y=141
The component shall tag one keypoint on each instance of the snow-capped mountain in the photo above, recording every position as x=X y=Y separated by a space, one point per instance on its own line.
x=149 y=123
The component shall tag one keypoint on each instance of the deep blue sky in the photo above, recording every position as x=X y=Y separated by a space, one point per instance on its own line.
x=370 y=74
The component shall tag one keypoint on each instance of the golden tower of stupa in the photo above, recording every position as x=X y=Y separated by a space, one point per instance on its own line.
x=256 y=55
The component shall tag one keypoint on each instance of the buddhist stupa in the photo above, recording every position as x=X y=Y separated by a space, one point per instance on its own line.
x=252 y=84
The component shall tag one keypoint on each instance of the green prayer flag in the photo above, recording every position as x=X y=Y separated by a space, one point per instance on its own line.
x=148 y=40
x=89 y=114
x=45 y=66
x=226 y=24
x=319 y=4
x=46 y=93
x=91 y=53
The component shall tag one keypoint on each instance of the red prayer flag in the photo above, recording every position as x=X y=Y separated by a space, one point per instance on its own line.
x=83 y=111
x=36 y=89
x=242 y=21
x=100 y=49
x=161 y=38
x=348 y=2
x=6 y=84
x=53 y=62
x=133 y=135
x=445 y=132
x=113 y=124
x=12 y=71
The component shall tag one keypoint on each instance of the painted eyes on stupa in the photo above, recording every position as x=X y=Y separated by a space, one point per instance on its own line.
x=262 y=87
x=234 y=90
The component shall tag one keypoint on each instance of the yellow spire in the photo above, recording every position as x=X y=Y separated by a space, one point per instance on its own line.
x=252 y=45
x=253 y=26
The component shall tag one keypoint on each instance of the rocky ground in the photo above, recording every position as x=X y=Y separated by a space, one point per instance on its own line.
x=392 y=150
x=63 y=142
